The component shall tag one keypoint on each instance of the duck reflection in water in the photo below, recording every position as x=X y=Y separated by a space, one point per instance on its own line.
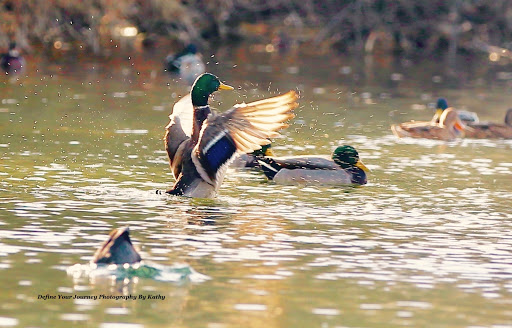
x=206 y=215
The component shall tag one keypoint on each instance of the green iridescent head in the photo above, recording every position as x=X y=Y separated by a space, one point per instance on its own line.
x=442 y=104
x=266 y=150
x=347 y=157
x=204 y=86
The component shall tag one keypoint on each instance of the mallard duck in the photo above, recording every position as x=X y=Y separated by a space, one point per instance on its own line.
x=441 y=105
x=344 y=167
x=449 y=127
x=491 y=130
x=12 y=62
x=200 y=143
x=464 y=115
x=118 y=249
x=188 y=63
x=416 y=128
x=251 y=159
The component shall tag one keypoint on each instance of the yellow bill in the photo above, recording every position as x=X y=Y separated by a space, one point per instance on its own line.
x=363 y=167
x=223 y=86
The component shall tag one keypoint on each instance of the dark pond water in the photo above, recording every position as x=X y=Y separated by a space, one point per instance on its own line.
x=426 y=243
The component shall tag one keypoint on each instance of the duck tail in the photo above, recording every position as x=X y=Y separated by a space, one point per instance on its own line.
x=118 y=249
x=269 y=166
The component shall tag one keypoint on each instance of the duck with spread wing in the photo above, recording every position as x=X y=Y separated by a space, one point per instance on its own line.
x=200 y=143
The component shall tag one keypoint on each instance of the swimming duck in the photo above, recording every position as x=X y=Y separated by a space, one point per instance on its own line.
x=200 y=143
x=118 y=249
x=464 y=115
x=491 y=130
x=12 y=62
x=441 y=106
x=344 y=167
x=188 y=63
x=449 y=127
x=251 y=159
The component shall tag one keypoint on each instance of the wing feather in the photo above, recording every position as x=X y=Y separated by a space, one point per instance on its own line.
x=184 y=110
x=245 y=126
x=178 y=130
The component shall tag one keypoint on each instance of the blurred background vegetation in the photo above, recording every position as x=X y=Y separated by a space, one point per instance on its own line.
x=412 y=27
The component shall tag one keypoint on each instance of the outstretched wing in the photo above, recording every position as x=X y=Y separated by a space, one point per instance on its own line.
x=243 y=129
x=184 y=110
x=178 y=130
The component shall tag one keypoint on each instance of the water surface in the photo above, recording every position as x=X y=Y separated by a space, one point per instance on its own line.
x=426 y=243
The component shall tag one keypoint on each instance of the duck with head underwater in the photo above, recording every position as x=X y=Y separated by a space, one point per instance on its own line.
x=12 y=62
x=200 y=143
x=344 y=168
x=118 y=249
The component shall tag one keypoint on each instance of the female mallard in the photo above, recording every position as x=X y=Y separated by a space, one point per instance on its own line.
x=344 y=168
x=12 y=62
x=188 y=63
x=200 y=143
x=449 y=127
x=491 y=130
